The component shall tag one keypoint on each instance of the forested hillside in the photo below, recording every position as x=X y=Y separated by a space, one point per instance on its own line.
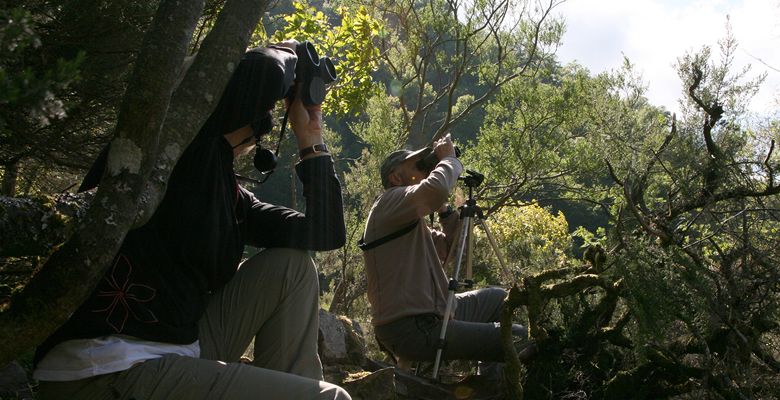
x=642 y=246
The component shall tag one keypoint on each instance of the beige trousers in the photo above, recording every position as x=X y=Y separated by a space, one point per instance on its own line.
x=273 y=298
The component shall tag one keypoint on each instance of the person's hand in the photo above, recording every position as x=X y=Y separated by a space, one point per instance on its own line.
x=305 y=121
x=444 y=147
x=289 y=43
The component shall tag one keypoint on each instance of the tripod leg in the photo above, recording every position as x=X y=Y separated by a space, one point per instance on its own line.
x=470 y=254
x=453 y=286
x=505 y=271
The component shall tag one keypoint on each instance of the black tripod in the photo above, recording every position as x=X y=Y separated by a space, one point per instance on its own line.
x=469 y=212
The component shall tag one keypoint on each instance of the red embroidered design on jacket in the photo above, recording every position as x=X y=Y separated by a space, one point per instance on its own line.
x=125 y=298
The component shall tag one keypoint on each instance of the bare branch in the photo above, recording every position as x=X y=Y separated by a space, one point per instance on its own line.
x=771 y=171
x=613 y=174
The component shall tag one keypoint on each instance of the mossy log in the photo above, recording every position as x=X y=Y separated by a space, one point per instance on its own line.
x=34 y=227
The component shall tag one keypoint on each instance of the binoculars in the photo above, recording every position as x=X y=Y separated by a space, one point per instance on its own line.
x=313 y=73
x=429 y=161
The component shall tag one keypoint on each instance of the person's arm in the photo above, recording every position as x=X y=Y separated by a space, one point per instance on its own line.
x=445 y=238
x=432 y=192
x=321 y=227
x=448 y=218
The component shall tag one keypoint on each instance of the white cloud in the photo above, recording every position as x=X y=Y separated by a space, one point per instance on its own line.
x=654 y=33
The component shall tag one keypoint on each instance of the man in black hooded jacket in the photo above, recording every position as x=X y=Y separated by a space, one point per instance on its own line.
x=175 y=311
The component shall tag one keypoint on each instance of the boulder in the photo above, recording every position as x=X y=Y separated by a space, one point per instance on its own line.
x=378 y=385
x=340 y=340
x=355 y=341
x=332 y=339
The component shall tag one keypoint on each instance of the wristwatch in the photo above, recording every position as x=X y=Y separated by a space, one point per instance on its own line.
x=317 y=148
x=446 y=213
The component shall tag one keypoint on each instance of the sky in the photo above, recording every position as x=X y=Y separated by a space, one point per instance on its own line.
x=654 y=33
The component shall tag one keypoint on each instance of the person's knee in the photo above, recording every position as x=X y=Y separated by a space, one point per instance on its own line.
x=294 y=255
x=282 y=265
x=329 y=391
x=297 y=260
x=299 y=269
x=496 y=293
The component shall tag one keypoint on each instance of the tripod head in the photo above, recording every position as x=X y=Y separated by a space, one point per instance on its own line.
x=472 y=179
x=470 y=208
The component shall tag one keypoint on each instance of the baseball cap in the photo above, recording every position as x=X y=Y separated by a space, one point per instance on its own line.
x=396 y=158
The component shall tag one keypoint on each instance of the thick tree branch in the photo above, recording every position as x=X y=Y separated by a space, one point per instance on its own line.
x=767 y=358
x=39 y=225
x=614 y=334
x=202 y=86
x=729 y=194
x=770 y=170
x=72 y=271
x=121 y=195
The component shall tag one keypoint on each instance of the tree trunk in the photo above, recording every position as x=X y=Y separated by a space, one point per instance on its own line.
x=69 y=275
x=136 y=175
x=202 y=86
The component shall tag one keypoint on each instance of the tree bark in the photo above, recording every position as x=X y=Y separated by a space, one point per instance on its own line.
x=512 y=369
x=197 y=95
x=136 y=174
x=71 y=272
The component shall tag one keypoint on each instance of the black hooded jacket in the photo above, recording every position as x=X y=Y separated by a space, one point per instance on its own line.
x=161 y=278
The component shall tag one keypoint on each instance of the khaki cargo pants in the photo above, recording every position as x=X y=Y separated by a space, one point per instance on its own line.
x=273 y=298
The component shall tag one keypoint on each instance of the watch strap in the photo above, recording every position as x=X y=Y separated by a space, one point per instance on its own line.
x=317 y=148
x=446 y=213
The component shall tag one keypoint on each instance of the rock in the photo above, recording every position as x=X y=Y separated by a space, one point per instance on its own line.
x=340 y=340
x=332 y=339
x=355 y=341
x=379 y=385
x=13 y=382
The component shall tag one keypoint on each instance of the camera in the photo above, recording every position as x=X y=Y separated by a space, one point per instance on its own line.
x=472 y=179
x=313 y=73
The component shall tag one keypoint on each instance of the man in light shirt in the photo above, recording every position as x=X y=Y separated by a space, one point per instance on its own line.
x=407 y=286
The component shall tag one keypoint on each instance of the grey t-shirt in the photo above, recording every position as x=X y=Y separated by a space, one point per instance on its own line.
x=405 y=275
